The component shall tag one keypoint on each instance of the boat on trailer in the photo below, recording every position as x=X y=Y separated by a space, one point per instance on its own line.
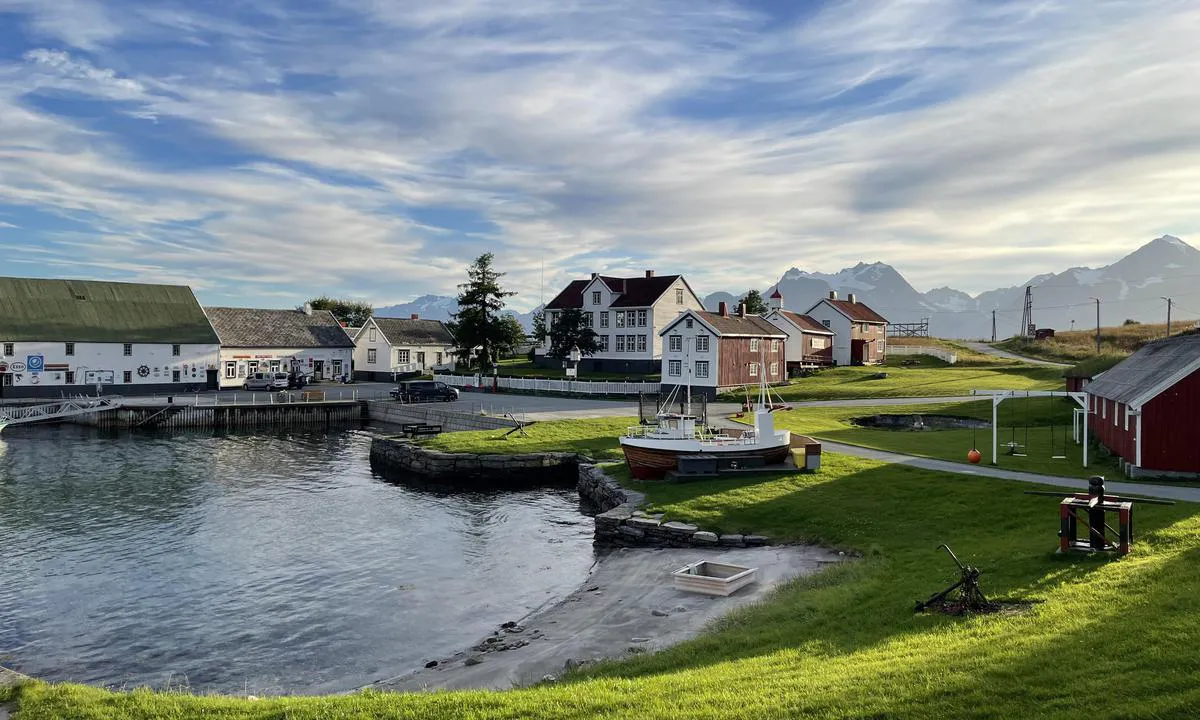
x=651 y=451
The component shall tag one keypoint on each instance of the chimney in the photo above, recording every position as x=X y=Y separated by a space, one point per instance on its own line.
x=308 y=308
x=723 y=309
x=850 y=298
x=649 y=273
x=833 y=294
x=415 y=316
x=741 y=310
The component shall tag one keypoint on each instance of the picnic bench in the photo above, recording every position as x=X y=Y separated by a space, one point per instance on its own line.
x=415 y=430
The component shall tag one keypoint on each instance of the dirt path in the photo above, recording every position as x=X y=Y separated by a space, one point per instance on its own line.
x=997 y=352
x=627 y=605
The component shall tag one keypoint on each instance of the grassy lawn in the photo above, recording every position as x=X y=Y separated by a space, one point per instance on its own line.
x=1076 y=345
x=596 y=438
x=520 y=367
x=932 y=378
x=1104 y=637
x=1049 y=421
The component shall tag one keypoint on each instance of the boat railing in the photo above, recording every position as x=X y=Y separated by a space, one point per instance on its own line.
x=701 y=433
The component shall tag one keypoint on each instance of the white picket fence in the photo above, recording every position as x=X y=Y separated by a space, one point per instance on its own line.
x=583 y=387
x=950 y=357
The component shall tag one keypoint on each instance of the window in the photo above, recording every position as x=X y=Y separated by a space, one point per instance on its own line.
x=678 y=296
x=603 y=343
x=595 y=297
x=8 y=349
x=402 y=356
x=604 y=319
x=820 y=343
x=174 y=376
x=701 y=343
x=774 y=369
x=230 y=370
x=753 y=369
x=241 y=370
x=175 y=350
x=438 y=360
x=70 y=377
x=641 y=341
x=689 y=323
x=1116 y=412
x=69 y=348
x=127 y=376
x=589 y=319
x=371 y=356
x=372 y=336
x=128 y=349
x=701 y=368
x=641 y=318
x=825 y=323
x=620 y=343
x=753 y=344
x=550 y=318
x=774 y=346
x=619 y=319
x=675 y=343
x=674 y=368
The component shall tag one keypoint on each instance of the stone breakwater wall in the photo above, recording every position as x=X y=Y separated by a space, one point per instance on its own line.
x=395 y=413
x=620 y=522
x=403 y=457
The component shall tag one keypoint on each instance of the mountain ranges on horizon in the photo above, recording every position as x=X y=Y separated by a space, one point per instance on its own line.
x=1130 y=288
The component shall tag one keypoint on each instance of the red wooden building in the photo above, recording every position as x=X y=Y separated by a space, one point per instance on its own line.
x=1146 y=409
x=713 y=352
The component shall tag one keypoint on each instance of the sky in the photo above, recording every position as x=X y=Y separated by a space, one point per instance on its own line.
x=270 y=151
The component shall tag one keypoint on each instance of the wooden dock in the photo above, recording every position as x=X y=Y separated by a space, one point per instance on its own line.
x=169 y=416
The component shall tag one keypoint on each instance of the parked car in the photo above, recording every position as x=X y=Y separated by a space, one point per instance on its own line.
x=266 y=381
x=296 y=380
x=424 y=391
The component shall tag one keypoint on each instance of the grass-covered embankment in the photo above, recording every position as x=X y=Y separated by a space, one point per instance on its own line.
x=845 y=643
x=1041 y=425
x=931 y=378
x=596 y=438
x=1074 y=346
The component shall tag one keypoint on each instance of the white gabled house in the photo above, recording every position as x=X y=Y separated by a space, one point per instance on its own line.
x=387 y=347
x=627 y=315
x=68 y=337
x=860 y=333
x=810 y=342
x=306 y=342
x=716 y=351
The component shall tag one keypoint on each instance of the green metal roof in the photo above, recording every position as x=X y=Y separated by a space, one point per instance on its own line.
x=33 y=310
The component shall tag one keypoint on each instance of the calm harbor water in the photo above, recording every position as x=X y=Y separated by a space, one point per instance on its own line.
x=268 y=564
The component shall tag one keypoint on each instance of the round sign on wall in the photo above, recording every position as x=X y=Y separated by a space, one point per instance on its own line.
x=17 y=367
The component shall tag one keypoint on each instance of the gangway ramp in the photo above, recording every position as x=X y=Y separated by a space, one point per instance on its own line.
x=71 y=407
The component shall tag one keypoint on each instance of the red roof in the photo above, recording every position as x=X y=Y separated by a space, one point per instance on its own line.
x=777 y=294
x=857 y=311
x=631 y=292
x=751 y=325
x=806 y=323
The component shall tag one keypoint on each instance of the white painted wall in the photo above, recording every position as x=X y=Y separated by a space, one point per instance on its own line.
x=688 y=354
x=148 y=363
x=247 y=360
x=386 y=355
x=840 y=324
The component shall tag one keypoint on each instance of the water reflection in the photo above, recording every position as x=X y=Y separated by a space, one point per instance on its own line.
x=268 y=563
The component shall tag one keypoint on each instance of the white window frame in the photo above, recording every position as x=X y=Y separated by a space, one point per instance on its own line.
x=231 y=369
x=678 y=296
x=604 y=319
x=590 y=318
x=620 y=343
x=595 y=297
x=753 y=344
x=8 y=350
x=774 y=369
x=674 y=368
x=675 y=343
x=69 y=349
x=127 y=377
x=825 y=323
x=619 y=318
x=603 y=343
x=702 y=343
x=403 y=356
x=372 y=335
x=127 y=350
x=774 y=346
x=641 y=318
x=372 y=356
x=753 y=369
x=641 y=343
x=702 y=368
x=631 y=343
x=819 y=343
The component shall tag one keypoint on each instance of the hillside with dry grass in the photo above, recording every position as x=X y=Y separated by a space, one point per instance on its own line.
x=1078 y=345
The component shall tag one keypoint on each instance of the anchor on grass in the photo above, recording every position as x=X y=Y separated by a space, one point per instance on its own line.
x=970 y=594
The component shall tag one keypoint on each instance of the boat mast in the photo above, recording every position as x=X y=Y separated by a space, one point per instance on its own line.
x=687 y=361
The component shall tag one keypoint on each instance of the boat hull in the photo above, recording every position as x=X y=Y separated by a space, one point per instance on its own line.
x=652 y=463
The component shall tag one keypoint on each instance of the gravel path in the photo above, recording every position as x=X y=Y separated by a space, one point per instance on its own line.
x=997 y=352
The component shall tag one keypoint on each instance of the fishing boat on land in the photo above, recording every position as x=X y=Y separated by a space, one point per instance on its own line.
x=651 y=451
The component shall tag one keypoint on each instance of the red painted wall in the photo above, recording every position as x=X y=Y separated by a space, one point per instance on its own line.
x=736 y=358
x=1171 y=428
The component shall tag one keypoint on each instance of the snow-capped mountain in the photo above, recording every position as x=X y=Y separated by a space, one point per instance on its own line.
x=1129 y=288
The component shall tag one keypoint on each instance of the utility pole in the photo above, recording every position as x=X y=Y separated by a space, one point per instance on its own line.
x=993 y=326
x=1097 y=324
x=1027 y=329
x=1168 y=315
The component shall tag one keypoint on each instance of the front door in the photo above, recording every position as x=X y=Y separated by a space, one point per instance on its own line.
x=319 y=369
x=421 y=360
x=337 y=368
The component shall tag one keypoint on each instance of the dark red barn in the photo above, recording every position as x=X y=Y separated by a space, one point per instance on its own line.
x=1146 y=409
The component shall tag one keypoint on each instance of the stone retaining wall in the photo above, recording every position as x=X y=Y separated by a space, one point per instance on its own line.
x=621 y=523
x=397 y=413
x=403 y=457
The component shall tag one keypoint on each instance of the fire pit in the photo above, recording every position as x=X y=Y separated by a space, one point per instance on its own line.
x=713 y=578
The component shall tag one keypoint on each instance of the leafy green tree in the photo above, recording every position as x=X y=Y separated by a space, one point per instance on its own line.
x=755 y=304
x=539 y=332
x=512 y=337
x=570 y=330
x=352 y=312
x=479 y=327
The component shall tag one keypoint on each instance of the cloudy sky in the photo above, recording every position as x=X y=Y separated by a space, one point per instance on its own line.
x=270 y=150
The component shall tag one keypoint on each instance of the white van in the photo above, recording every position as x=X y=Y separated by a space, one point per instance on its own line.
x=266 y=381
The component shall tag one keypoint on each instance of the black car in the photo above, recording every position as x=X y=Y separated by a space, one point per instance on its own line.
x=424 y=391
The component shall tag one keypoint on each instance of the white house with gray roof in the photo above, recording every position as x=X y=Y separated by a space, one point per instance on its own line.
x=307 y=342
x=385 y=348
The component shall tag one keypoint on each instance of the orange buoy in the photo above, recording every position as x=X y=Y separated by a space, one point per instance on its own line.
x=974 y=456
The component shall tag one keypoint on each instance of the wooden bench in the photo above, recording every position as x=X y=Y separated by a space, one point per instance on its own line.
x=415 y=430
x=312 y=395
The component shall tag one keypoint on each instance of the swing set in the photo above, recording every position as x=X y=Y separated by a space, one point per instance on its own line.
x=1020 y=449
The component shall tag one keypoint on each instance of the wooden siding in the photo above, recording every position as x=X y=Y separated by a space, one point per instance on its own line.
x=1115 y=437
x=735 y=358
x=1169 y=422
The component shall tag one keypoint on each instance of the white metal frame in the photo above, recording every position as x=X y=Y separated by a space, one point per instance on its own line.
x=999 y=396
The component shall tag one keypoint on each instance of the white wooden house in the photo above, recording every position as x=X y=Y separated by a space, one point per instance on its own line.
x=69 y=337
x=716 y=351
x=627 y=315
x=810 y=342
x=385 y=348
x=307 y=342
x=860 y=333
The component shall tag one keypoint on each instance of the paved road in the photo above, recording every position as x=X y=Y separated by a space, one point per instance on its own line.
x=1167 y=492
x=997 y=352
